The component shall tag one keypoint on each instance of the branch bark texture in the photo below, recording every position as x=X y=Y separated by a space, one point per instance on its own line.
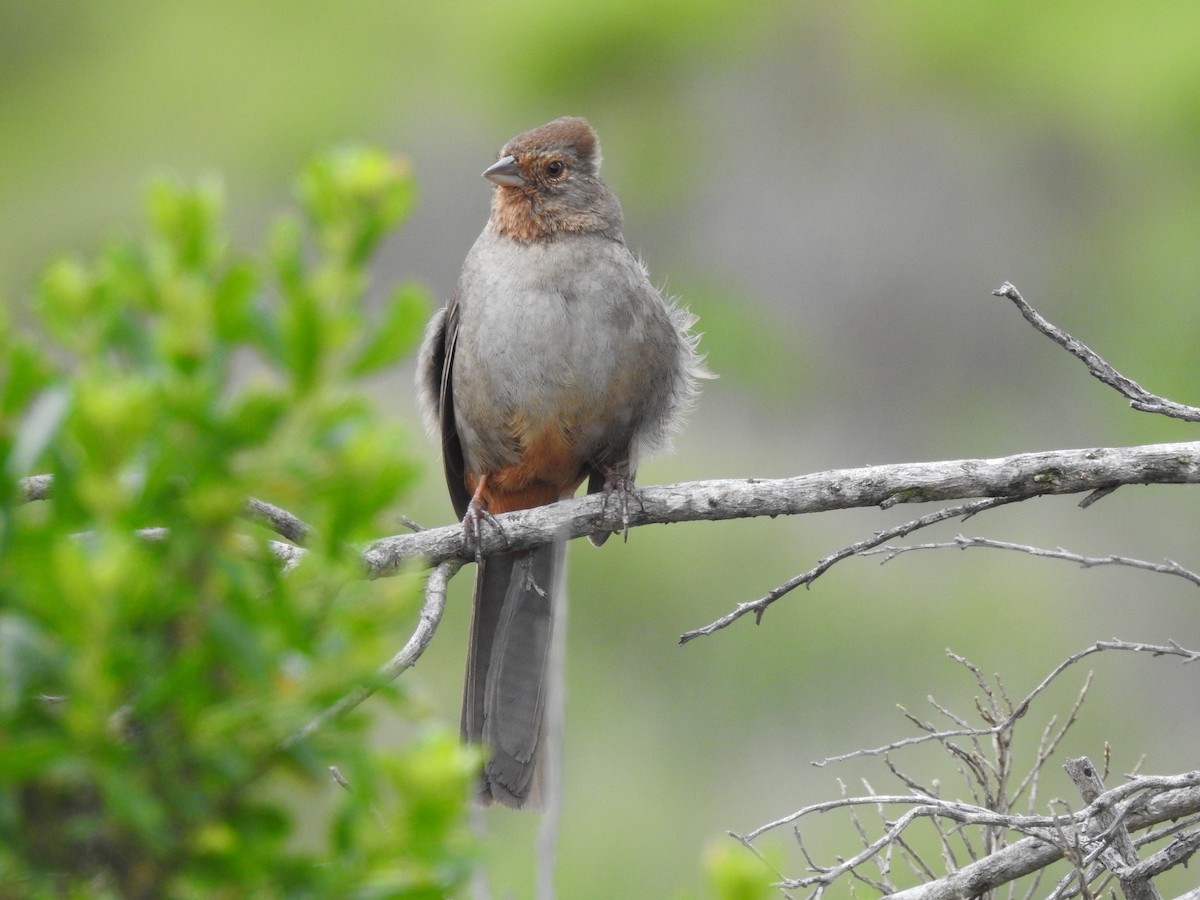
x=1021 y=476
x=1117 y=852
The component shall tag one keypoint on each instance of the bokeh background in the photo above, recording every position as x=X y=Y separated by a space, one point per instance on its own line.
x=835 y=188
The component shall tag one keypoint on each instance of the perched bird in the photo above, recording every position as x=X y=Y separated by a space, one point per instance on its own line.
x=555 y=362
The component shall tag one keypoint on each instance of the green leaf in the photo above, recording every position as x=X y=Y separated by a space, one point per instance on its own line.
x=354 y=196
x=398 y=331
x=303 y=338
x=186 y=219
x=39 y=427
x=254 y=415
x=233 y=300
x=24 y=371
x=66 y=302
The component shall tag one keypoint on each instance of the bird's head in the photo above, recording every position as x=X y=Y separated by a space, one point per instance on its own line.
x=548 y=184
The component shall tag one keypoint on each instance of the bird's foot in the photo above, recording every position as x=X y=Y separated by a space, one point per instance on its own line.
x=473 y=524
x=623 y=489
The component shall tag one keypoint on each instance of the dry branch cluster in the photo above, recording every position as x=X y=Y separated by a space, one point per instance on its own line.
x=997 y=837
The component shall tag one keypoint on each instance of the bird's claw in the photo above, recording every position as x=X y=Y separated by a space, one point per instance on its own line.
x=624 y=489
x=477 y=513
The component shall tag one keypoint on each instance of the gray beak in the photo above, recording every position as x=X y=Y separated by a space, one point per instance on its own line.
x=504 y=172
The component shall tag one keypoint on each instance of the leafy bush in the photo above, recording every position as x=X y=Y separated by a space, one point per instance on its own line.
x=154 y=652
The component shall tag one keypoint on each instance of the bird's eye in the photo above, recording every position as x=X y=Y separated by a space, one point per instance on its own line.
x=556 y=168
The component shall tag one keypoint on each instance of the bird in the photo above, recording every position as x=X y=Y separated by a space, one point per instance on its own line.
x=555 y=362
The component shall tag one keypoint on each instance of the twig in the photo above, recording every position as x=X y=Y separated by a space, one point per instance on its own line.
x=1178 y=852
x=37 y=487
x=1075 y=882
x=759 y=606
x=1139 y=398
x=410 y=523
x=282 y=522
x=431 y=616
x=1094 y=496
x=1049 y=743
x=960 y=542
x=336 y=774
x=278 y=520
x=922 y=805
x=1173 y=828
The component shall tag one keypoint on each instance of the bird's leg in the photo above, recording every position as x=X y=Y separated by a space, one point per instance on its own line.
x=624 y=489
x=476 y=514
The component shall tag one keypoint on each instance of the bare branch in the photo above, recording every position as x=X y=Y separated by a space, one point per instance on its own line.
x=1013 y=477
x=431 y=617
x=1020 y=476
x=759 y=606
x=1175 y=827
x=1178 y=852
x=1115 y=848
x=924 y=805
x=1139 y=398
x=960 y=542
x=278 y=520
x=282 y=522
x=1049 y=743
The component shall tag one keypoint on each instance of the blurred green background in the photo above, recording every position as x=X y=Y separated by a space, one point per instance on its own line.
x=835 y=188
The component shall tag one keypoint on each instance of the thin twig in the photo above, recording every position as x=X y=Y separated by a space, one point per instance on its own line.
x=410 y=523
x=1049 y=743
x=1139 y=398
x=759 y=606
x=1174 y=827
x=431 y=617
x=960 y=542
x=282 y=522
x=1178 y=852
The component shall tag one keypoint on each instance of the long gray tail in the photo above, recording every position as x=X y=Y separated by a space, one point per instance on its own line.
x=506 y=686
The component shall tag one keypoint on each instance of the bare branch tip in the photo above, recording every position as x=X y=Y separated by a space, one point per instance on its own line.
x=1098 y=494
x=411 y=524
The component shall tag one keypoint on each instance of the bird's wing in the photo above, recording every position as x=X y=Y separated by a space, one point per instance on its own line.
x=442 y=369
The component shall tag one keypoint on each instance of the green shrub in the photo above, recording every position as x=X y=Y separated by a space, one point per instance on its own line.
x=149 y=677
